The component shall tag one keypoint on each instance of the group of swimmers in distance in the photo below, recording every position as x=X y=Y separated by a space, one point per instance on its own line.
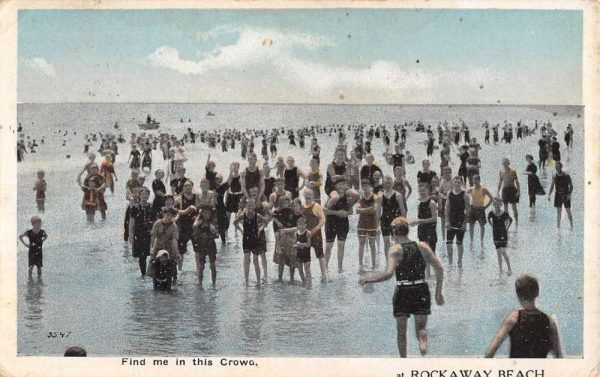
x=309 y=210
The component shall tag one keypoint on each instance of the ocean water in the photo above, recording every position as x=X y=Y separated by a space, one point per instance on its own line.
x=91 y=286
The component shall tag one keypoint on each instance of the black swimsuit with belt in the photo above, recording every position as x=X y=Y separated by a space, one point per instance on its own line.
x=412 y=291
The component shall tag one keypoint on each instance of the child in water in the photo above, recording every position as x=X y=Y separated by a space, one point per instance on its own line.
x=163 y=271
x=40 y=191
x=93 y=193
x=36 y=236
x=302 y=247
x=533 y=334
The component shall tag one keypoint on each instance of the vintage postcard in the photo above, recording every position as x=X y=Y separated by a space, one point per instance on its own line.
x=315 y=188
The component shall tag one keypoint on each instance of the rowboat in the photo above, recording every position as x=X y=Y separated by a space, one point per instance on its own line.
x=149 y=126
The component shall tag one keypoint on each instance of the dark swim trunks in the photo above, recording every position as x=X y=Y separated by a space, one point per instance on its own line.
x=412 y=299
x=510 y=195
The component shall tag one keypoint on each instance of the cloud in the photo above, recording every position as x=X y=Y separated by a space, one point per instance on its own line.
x=42 y=66
x=280 y=54
x=254 y=46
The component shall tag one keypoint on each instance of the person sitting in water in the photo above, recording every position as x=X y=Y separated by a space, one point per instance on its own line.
x=163 y=271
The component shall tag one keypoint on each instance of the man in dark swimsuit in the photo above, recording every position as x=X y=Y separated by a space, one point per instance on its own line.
x=337 y=210
x=426 y=219
x=562 y=198
x=336 y=167
x=315 y=220
x=456 y=211
x=367 y=171
x=391 y=205
x=533 y=334
x=407 y=260
x=177 y=182
x=252 y=177
x=396 y=159
x=425 y=175
x=186 y=206
x=291 y=176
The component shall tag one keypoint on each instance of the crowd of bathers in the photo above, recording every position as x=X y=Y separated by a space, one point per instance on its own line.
x=309 y=208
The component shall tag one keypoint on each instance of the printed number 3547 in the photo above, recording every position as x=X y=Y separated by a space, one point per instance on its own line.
x=55 y=334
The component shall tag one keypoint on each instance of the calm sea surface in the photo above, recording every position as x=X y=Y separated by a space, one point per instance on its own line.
x=91 y=285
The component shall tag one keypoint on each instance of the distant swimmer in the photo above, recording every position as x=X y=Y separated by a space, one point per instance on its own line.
x=40 y=191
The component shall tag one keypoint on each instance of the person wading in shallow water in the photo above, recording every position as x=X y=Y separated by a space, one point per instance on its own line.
x=563 y=184
x=337 y=209
x=93 y=193
x=456 y=211
x=533 y=334
x=511 y=189
x=315 y=221
x=407 y=260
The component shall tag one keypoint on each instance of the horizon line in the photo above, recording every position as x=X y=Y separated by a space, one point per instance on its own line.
x=295 y=103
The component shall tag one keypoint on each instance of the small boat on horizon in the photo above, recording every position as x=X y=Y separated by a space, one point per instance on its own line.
x=151 y=124
x=210 y=114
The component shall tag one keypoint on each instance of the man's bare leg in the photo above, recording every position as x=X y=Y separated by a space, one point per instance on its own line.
x=328 y=247
x=307 y=273
x=263 y=259
x=246 y=266
x=471 y=232
x=401 y=323
x=323 y=266
x=460 y=254
x=340 y=256
x=421 y=332
x=361 y=250
x=256 y=268
x=372 y=242
x=570 y=216
x=482 y=227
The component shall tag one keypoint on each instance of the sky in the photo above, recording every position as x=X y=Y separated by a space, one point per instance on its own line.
x=361 y=56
